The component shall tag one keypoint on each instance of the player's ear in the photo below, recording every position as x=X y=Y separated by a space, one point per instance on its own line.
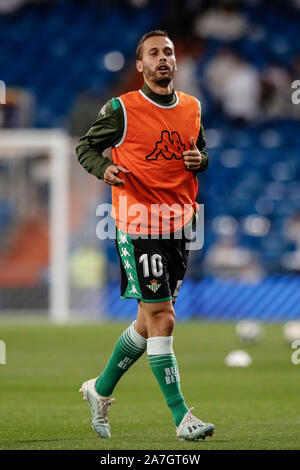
x=139 y=66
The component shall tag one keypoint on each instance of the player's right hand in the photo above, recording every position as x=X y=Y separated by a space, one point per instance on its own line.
x=110 y=175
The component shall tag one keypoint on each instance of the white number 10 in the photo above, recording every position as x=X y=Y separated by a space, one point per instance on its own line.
x=156 y=265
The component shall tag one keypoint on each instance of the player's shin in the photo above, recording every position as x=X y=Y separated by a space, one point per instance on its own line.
x=128 y=349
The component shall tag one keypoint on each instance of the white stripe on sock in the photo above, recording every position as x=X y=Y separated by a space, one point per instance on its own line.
x=138 y=339
x=159 y=345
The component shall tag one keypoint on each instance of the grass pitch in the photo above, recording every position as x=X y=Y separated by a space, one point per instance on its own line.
x=40 y=407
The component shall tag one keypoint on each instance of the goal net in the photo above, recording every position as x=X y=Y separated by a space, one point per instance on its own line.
x=51 y=261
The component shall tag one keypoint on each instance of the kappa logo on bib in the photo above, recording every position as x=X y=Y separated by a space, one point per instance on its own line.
x=169 y=146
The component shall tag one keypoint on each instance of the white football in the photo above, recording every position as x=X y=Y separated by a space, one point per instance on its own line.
x=238 y=358
x=249 y=331
x=291 y=331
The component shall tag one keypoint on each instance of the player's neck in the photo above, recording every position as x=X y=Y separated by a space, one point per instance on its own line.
x=163 y=99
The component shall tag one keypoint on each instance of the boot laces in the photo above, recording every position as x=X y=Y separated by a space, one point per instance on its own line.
x=103 y=409
x=191 y=418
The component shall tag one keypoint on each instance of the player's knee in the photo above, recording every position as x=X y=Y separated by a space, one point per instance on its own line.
x=169 y=323
x=163 y=322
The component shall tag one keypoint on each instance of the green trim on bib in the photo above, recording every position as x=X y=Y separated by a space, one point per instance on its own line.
x=115 y=103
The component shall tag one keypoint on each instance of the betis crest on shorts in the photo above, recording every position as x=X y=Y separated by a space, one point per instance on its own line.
x=154 y=286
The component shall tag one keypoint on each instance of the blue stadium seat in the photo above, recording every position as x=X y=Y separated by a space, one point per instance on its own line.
x=6 y=213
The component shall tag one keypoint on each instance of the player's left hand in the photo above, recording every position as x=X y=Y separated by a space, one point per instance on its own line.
x=192 y=158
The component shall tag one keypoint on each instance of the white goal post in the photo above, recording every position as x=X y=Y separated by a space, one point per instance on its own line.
x=56 y=143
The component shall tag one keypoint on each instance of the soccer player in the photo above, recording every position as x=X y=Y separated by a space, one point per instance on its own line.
x=158 y=146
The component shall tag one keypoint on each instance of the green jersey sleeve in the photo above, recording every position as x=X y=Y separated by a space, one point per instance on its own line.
x=106 y=132
x=201 y=145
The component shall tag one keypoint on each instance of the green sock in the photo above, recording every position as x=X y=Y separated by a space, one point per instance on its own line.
x=129 y=347
x=165 y=368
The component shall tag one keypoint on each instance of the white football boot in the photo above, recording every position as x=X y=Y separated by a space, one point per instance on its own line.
x=99 y=408
x=193 y=429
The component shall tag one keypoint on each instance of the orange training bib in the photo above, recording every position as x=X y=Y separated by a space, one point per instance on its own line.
x=159 y=192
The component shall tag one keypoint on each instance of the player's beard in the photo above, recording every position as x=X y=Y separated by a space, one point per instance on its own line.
x=161 y=81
